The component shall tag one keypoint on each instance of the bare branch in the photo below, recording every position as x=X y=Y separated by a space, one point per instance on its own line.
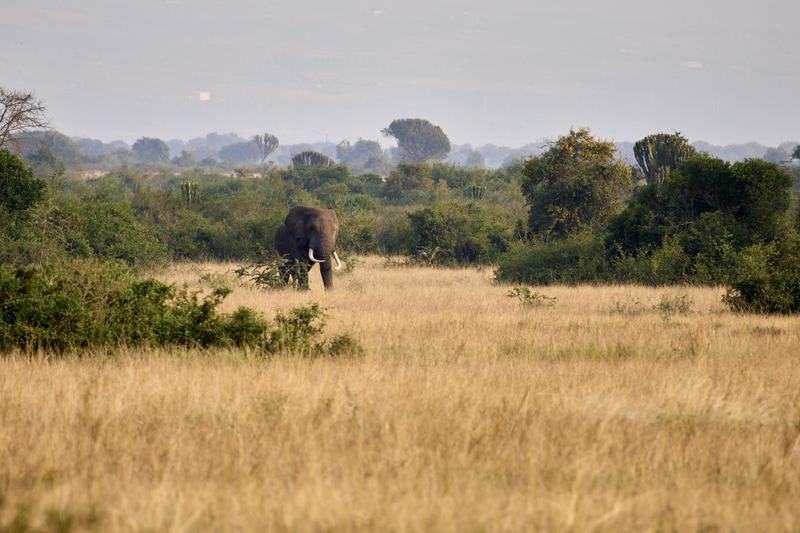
x=19 y=112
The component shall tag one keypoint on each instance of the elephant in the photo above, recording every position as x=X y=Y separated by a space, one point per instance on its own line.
x=308 y=236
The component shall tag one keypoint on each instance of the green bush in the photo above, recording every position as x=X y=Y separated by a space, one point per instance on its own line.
x=578 y=258
x=19 y=190
x=777 y=292
x=269 y=273
x=770 y=288
x=298 y=333
x=111 y=231
x=462 y=233
x=84 y=304
x=531 y=299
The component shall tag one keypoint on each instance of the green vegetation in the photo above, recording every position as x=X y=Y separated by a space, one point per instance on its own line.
x=572 y=214
x=658 y=155
x=531 y=299
x=576 y=183
x=83 y=304
x=19 y=190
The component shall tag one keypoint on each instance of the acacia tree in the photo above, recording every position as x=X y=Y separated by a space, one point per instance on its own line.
x=418 y=139
x=659 y=154
x=19 y=112
x=267 y=143
x=576 y=183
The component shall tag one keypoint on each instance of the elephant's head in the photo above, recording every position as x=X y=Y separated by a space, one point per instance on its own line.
x=315 y=232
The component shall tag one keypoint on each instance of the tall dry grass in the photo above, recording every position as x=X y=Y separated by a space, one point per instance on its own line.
x=468 y=412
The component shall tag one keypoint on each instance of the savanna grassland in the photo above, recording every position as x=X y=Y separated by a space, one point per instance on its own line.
x=609 y=408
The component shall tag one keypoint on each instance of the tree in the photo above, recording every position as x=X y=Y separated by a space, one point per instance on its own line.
x=577 y=182
x=19 y=190
x=241 y=152
x=266 y=143
x=19 y=112
x=776 y=155
x=359 y=152
x=362 y=156
x=704 y=199
x=475 y=160
x=186 y=159
x=310 y=158
x=408 y=177
x=659 y=154
x=147 y=149
x=418 y=139
x=48 y=146
x=796 y=153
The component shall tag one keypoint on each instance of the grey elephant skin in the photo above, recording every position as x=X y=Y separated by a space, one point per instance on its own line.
x=308 y=236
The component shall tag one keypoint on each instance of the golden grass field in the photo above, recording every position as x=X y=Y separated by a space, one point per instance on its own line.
x=467 y=412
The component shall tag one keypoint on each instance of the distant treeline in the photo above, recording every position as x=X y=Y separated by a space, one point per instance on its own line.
x=230 y=147
x=575 y=213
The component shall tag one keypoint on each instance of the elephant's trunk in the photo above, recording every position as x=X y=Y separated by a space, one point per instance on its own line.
x=321 y=252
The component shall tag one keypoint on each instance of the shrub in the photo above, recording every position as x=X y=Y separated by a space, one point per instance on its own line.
x=298 y=333
x=460 y=233
x=269 y=274
x=777 y=292
x=578 y=258
x=529 y=298
x=768 y=279
x=83 y=304
x=86 y=303
x=111 y=231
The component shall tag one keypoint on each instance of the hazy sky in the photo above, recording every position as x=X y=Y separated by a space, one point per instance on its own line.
x=506 y=72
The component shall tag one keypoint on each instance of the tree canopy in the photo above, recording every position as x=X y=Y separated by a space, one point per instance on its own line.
x=418 y=139
x=19 y=190
x=707 y=201
x=576 y=183
x=148 y=149
x=241 y=152
x=48 y=146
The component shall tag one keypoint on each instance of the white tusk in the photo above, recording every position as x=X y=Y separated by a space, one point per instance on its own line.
x=311 y=256
x=338 y=263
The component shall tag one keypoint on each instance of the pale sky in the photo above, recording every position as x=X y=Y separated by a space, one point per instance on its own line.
x=503 y=71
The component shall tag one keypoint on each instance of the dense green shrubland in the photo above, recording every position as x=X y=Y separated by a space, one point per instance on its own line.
x=702 y=221
x=84 y=304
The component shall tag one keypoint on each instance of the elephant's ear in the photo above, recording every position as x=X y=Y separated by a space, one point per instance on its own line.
x=295 y=225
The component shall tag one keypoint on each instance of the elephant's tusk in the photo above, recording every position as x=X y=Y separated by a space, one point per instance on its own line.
x=338 y=263
x=311 y=256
